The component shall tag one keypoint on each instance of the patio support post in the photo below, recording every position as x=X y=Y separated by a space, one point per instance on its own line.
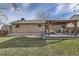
x=48 y=28
x=45 y=28
x=64 y=26
x=10 y=29
x=63 y=30
x=67 y=30
x=75 y=28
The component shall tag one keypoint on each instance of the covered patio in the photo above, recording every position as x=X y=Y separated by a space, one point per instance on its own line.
x=63 y=28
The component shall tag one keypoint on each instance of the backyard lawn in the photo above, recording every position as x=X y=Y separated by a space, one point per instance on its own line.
x=22 y=46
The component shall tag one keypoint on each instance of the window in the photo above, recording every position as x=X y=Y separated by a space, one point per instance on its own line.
x=17 y=26
x=39 y=25
x=50 y=22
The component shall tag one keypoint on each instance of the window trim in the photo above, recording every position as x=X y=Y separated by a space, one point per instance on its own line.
x=39 y=25
x=17 y=25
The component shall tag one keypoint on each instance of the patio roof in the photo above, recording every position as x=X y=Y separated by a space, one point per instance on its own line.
x=56 y=22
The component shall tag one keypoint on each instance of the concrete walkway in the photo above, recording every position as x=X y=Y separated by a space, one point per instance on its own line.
x=39 y=35
x=31 y=35
x=60 y=36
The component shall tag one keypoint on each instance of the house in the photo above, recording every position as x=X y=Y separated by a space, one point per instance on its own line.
x=28 y=26
x=42 y=26
x=45 y=26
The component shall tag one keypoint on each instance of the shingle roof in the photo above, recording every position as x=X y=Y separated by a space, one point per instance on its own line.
x=28 y=21
x=74 y=17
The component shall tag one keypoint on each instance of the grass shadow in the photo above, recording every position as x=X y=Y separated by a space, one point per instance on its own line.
x=57 y=41
x=26 y=42
x=23 y=42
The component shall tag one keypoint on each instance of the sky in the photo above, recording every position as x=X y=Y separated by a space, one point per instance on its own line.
x=29 y=11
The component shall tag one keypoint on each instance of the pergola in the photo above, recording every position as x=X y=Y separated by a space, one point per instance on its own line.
x=63 y=23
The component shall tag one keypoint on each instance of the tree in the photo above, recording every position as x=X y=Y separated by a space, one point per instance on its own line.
x=41 y=15
x=3 y=17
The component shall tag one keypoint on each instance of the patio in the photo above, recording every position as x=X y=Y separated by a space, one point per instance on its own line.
x=64 y=29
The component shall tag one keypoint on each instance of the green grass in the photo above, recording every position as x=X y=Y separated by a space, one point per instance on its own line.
x=22 y=46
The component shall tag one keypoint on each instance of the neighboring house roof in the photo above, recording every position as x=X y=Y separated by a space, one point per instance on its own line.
x=28 y=21
x=75 y=17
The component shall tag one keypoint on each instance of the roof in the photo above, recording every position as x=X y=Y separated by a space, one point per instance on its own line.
x=40 y=21
x=76 y=17
x=28 y=21
x=61 y=21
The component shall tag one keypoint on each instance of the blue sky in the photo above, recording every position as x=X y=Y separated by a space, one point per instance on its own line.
x=29 y=10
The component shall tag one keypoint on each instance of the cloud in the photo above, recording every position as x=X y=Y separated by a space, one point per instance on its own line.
x=61 y=8
x=29 y=11
x=65 y=10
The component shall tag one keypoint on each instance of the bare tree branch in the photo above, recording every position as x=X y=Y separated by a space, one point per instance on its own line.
x=41 y=15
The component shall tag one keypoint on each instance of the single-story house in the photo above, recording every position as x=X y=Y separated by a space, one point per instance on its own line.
x=45 y=26
x=28 y=26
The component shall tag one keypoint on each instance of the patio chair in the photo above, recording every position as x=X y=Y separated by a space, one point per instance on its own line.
x=52 y=32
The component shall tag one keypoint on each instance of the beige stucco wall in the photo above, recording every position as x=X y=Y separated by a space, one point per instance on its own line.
x=69 y=25
x=28 y=28
x=55 y=27
x=72 y=25
x=77 y=23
